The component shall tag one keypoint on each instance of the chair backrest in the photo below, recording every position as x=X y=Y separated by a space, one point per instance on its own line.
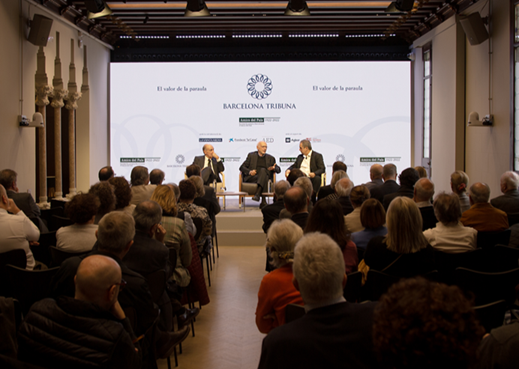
x=490 y=239
x=491 y=315
x=56 y=222
x=353 y=286
x=47 y=214
x=59 y=256
x=447 y=263
x=199 y=226
x=157 y=284
x=29 y=286
x=14 y=257
x=377 y=283
x=513 y=218
x=47 y=239
x=488 y=287
x=503 y=258
x=293 y=312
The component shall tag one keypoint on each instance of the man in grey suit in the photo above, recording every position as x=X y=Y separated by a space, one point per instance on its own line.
x=23 y=200
x=310 y=162
x=211 y=165
x=509 y=201
x=259 y=168
x=375 y=174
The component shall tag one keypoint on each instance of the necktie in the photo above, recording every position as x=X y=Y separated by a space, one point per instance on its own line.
x=210 y=164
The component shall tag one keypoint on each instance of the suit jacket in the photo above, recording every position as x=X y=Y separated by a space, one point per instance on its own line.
x=324 y=191
x=316 y=163
x=147 y=255
x=388 y=187
x=402 y=191
x=346 y=205
x=332 y=337
x=300 y=219
x=374 y=183
x=428 y=217
x=485 y=218
x=271 y=213
x=210 y=202
x=251 y=163
x=509 y=202
x=217 y=165
x=142 y=193
x=26 y=203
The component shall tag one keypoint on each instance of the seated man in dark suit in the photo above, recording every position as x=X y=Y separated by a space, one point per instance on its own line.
x=211 y=165
x=333 y=333
x=509 y=201
x=389 y=185
x=296 y=202
x=23 y=200
x=407 y=179
x=271 y=212
x=310 y=162
x=329 y=189
x=259 y=168
x=375 y=174
x=74 y=326
x=423 y=193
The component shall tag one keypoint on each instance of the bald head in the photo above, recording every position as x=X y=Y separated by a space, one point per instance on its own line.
x=375 y=172
x=343 y=187
x=208 y=151
x=96 y=281
x=479 y=193
x=296 y=200
x=423 y=190
x=262 y=148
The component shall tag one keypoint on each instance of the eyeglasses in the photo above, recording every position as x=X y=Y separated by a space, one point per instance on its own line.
x=121 y=285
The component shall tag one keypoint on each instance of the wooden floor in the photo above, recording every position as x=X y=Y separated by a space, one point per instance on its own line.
x=225 y=331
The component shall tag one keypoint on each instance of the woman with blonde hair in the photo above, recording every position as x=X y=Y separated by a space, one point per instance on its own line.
x=277 y=290
x=459 y=185
x=176 y=233
x=404 y=251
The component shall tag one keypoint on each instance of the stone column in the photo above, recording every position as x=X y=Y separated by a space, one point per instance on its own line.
x=43 y=90
x=83 y=130
x=72 y=99
x=57 y=103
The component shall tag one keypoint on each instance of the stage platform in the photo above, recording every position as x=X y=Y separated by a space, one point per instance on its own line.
x=240 y=228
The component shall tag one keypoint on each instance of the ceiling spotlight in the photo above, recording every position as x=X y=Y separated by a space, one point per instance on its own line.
x=400 y=6
x=196 y=8
x=97 y=9
x=297 y=7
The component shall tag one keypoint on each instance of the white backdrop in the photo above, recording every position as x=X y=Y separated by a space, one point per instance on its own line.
x=163 y=113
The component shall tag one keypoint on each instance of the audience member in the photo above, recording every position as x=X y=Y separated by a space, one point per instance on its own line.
x=389 y=185
x=482 y=216
x=343 y=189
x=509 y=200
x=375 y=174
x=498 y=349
x=426 y=325
x=404 y=252
x=423 y=193
x=104 y=191
x=141 y=189
x=123 y=194
x=358 y=195
x=206 y=198
x=87 y=331
x=294 y=174
x=422 y=172
x=407 y=179
x=332 y=195
x=372 y=218
x=157 y=177
x=187 y=196
x=329 y=189
x=333 y=333
x=271 y=212
x=306 y=184
x=450 y=235
x=105 y=173
x=296 y=202
x=80 y=236
x=459 y=185
x=277 y=290
x=16 y=230
x=327 y=218
x=186 y=217
x=23 y=200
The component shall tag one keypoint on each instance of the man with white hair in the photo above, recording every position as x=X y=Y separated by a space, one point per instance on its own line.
x=423 y=193
x=324 y=191
x=343 y=189
x=509 y=201
x=333 y=333
x=482 y=216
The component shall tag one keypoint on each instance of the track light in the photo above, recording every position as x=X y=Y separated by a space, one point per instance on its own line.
x=196 y=8
x=97 y=9
x=297 y=7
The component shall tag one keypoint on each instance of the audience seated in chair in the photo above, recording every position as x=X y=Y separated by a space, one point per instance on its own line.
x=74 y=326
x=426 y=325
x=104 y=191
x=123 y=194
x=157 y=177
x=358 y=195
x=389 y=186
x=509 y=200
x=450 y=235
x=141 y=189
x=372 y=218
x=407 y=179
x=343 y=189
x=80 y=236
x=333 y=333
x=106 y=173
x=296 y=203
x=423 y=194
x=375 y=174
x=277 y=290
x=329 y=189
x=271 y=212
x=332 y=194
x=327 y=218
x=459 y=185
x=482 y=216
x=16 y=230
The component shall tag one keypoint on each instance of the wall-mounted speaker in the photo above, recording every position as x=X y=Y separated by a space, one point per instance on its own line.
x=40 y=30
x=474 y=28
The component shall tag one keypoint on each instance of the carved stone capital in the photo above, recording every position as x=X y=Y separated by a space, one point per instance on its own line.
x=57 y=98
x=72 y=99
x=42 y=95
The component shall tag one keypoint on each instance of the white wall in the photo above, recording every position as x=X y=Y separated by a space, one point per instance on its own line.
x=460 y=85
x=17 y=145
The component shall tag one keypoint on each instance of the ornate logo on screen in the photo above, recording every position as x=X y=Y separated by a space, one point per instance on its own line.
x=340 y=157
x=259 y=86
x=180 y=159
